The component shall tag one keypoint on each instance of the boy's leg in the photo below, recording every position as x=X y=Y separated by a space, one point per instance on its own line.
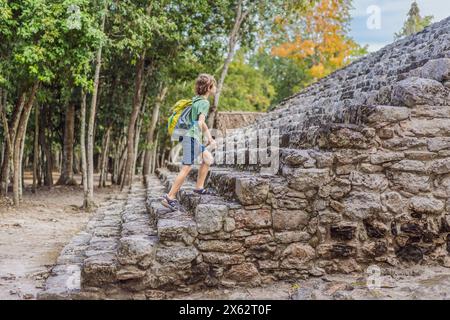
x=188 y=160
x=204 y=168
x=179 y=181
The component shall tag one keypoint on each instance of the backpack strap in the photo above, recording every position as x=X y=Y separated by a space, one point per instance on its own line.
x=197 y=98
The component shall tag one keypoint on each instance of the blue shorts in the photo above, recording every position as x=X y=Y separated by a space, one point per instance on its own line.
x=192 y=149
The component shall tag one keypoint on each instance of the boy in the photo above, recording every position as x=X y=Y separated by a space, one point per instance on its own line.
x=205 y=86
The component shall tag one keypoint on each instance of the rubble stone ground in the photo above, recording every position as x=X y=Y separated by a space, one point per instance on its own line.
x=32 y=237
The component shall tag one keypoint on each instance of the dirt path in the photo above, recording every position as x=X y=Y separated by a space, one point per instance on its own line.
x=32 y=236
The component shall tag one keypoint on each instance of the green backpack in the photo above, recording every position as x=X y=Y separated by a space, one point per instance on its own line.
x=180 y=118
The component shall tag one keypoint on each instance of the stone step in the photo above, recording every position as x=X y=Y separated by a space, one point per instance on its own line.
x=302 y=169
x=100 y=265
x=310 y=119
x=186 y=195
x=326 y=136
x=207 y=211
x=114 y=256
x=172 y=227
x=173 y=254
x=138 y=240
x=245 y=244
x=152 y=250
x=64 y=281
x=245 y=187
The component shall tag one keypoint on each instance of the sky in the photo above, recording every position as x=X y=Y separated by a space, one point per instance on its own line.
x=386 y=17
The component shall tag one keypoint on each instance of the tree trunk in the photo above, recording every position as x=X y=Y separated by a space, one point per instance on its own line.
x=66 y=177
x=138 y=135
x=104 y=158
x=46 y=152
x=21 y=163
x=115 y=165
x=76 y=163
x=123 y=159
x=4 y=171
x=36 y=149
x=56 y=157
x=18 y=144
x=10 y=134
x=89 y=202
x=117 y=160
x=151 y=130
x=136 y=145
x=141 y=159
x=154 y=155
x=86 y=203
x=2 y=158
x=232 y=42
x=128 y=174
x=163 y=158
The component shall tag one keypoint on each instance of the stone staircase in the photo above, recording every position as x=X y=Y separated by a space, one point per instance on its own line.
x=118 y=234
x=362 y=178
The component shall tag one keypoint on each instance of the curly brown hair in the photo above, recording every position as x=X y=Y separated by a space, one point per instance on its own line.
x=204 y=83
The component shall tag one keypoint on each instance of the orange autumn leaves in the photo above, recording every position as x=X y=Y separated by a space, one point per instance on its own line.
x=317 y=37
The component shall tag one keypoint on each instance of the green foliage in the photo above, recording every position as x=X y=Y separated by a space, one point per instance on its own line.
x=134 y=24
x=286 y=76
x=414 y=23
x=42 y=44
x=53 y=42
x=246 y=88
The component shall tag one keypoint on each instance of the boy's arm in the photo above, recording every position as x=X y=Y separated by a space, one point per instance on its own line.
x=204 y=128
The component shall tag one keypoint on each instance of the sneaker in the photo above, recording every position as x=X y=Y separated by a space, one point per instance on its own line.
x=205 y=192
x=173 y=205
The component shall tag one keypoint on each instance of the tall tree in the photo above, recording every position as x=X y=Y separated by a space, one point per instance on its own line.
x=66 y=177
x=414 y=22
x=150 y=138
x=248 y=20
x=243 y=9
x=84 y=169
x=37 y=45
x=139 y=30
x=89 y=199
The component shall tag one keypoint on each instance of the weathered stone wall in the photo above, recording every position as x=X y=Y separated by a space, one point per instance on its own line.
x=364 y=168
x=362 y=179
x=235 y=119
